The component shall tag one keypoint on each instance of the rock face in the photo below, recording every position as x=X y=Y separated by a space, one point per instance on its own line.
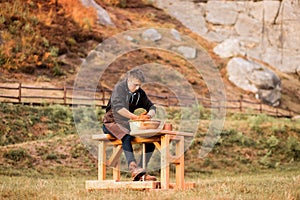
x=254 y=77
x=266 y=30
x=271 y=26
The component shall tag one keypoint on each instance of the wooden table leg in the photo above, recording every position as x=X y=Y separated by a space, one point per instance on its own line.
x=102 y=160
x=180 y=164
x=165 y=162
x=144 y=156
x=116 y=168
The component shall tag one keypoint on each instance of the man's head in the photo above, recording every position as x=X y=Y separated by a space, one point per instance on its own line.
x=135 y=78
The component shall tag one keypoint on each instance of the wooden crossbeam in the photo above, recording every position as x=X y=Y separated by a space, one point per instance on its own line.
x=113 y=185
x=114 y=158
x=157 y=145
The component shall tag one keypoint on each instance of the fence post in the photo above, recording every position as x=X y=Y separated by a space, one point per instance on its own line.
x=103 y=96
x=241 y=100
x=168 y=101
x=65 y=94
x=20 y=92
x=260 y=107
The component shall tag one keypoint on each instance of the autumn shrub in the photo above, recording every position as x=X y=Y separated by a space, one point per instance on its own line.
x=16 y=154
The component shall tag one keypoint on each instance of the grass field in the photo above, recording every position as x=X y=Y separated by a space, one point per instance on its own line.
x=41 y=157
x=271 y=184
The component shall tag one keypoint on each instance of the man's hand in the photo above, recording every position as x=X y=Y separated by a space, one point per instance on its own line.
x=134 y=117
x=144 y=116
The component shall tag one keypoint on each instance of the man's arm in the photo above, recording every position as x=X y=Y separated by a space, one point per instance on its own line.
x=126 y=113
x=151 y=113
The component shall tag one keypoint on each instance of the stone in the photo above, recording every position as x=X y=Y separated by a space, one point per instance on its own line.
x=223 y=13
x=270 y=97
x=220 y=33
x=291 y=35
x=151 y=34
x=289 y=12
x=229 y=48
x=175 y=34
x=247 y=26
x=263 y=78
x=283 y=59
x=214 y=36
x=129 y=38
x=223 y=21
x=264 y=11
x=183 y=12
x=270 y=10
x=238 y=69
x=254 y=77
x=274 y=35
x=187 y=52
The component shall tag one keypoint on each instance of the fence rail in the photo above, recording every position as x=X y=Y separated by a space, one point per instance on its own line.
x=100 y=96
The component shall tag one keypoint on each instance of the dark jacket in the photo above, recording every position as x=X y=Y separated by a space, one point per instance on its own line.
x=122 y=98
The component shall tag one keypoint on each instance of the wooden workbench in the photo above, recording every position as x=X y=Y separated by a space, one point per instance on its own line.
x=161 y=139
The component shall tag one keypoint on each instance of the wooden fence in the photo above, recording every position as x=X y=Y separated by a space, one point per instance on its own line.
x=34 y=95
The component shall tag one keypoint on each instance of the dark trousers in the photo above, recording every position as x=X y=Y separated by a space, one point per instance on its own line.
x=128 y=150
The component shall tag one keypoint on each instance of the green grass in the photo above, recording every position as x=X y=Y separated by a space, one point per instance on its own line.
x=255 y=157
x=268 y=185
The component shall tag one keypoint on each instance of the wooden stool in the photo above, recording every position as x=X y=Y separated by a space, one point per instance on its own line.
x=161 y=140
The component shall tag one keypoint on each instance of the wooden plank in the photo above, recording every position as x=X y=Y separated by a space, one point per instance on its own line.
x=146 y=133
x=165 y=162
x=146 y=140
x=114 y=141
x=144 y=156
x=186 y=134
x=116 y=168
x=117 y=151
x=157 y=145
x=152 y=133
x=102 y=160
x=113 y=185
x=103 y=137
x=180 y=164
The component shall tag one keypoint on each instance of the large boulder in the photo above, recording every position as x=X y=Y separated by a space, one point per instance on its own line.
x=254 y=77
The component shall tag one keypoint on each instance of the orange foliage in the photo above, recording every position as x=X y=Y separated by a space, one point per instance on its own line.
x=112 y=2
x=85 y=17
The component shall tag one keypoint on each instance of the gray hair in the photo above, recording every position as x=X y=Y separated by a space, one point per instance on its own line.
x=137 y=74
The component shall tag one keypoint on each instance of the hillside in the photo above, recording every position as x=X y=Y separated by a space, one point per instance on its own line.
x=44 y=43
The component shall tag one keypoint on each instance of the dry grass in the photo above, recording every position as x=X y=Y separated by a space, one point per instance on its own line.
x=85 y=17
x=270 y=185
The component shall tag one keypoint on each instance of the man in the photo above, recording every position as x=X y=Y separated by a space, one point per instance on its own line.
x=126 y=97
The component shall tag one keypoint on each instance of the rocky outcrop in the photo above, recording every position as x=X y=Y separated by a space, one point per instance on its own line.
x=252 y=76
x=266 y=30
